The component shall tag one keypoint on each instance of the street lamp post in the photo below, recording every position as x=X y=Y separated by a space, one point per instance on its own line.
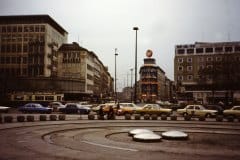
x=135 y=91
x=115 y=88
x=131 y=83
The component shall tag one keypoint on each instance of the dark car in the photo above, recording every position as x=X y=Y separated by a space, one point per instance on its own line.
x=75 y=108
x=215 y=107
x=34 y=108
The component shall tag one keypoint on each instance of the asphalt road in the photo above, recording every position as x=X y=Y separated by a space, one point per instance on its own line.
x=79 y=138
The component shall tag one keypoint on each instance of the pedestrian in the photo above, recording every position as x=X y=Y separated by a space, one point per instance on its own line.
x=101 y=113
x=111 y=113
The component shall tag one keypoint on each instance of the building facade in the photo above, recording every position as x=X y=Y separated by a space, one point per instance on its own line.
x=28 y=51
x=154 y=85
x=208 y=72
x=77 y=63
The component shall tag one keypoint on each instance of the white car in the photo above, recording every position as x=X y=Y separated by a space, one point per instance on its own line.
x=197 y=110
x=4 y=109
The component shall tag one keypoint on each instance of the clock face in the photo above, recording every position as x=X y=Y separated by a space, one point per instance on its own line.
x=149 y=53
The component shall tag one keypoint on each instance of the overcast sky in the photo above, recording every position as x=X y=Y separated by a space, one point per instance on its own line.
x=103 y=25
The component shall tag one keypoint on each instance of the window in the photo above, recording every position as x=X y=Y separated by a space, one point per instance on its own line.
x=190 y=51
x=4 y=29
x=200 y=67
x=39 y=98
x=49 y=98
x=218 y=49
x=218 y=59
x=237 y=48
x=189 y=60
x=201 y=59
x=209 y=58
x=180 y=78
x=180 y=60
x=42 y=28
x=228 y=49
x=190 y=77
x=180 y=68
x=36 y=28
x=19 y=28
x=199 y=50
x=209 y=66
x=189 y=68
x=209 y=50
x=180 y=51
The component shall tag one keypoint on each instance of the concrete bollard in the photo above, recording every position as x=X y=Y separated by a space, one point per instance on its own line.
x=154 y=117
x=146 y=117
x=128 y=117
x=30 y=118
x=137 y=116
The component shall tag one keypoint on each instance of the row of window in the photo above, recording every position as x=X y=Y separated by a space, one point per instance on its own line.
x=71 y=55
x=71 y=60
x=188 y=77
x=190 y=68
x=209 y=50
x=203 y=59
x=18 y=48
x=13 y=60
x=21 y=28
x=22 y=37
x=13 y=71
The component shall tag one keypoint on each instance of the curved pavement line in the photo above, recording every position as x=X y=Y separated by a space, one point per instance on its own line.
x=112 y=147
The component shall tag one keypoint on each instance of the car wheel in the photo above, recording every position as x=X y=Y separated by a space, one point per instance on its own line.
x=208 y=115
x=185 y=114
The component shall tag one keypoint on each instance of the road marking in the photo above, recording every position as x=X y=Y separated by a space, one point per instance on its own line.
x=113 y=147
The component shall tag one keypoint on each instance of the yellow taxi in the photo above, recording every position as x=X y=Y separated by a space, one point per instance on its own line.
x=197 y=110
x=154 y=109
x=127 y=108
x=234 y=111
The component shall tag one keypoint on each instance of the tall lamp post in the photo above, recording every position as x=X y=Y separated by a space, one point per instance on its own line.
x=115 y=88
x=131 y=84
x=135 y=91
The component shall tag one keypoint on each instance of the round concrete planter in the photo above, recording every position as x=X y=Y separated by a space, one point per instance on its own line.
x=91 y=116
x=128 y=117
x=154 y=117
x=146 y=117
x=137 y=116
x=53 y=117
x=230 y=118
x=42 y=117
x=20 y=118
x=100 y=117
x=201 y=118
x=62 y=117
x=187 y=117
x=30 y=118
x=219 y=118
x=173 y=117
x=164 y=117
x=8 y=119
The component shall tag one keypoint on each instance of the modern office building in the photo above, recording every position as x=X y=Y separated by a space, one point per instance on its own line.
x=154 y=85
x=208 y=72
x=28 y=52
x=78 y=64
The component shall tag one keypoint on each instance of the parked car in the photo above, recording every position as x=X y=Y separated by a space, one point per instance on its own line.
x=127 y=108
x=215 y=107
x=34 y=108
x=75 y=108
x=56 y=105
x=197 y=110
x=234 y=111
x=4 y=109
x=153 y=109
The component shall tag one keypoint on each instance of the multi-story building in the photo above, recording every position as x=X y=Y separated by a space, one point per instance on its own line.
x=208 y=72
x=154 y=85
x=28 y=52
x=79 y=64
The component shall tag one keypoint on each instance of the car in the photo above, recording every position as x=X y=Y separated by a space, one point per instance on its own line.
x=234 y=111
x=127 y=108
x=75 y=108
x=154 y=109
x=197 y=110
x=56 y=105
x=34 y=108
x=215 y=107
x=4 y=109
